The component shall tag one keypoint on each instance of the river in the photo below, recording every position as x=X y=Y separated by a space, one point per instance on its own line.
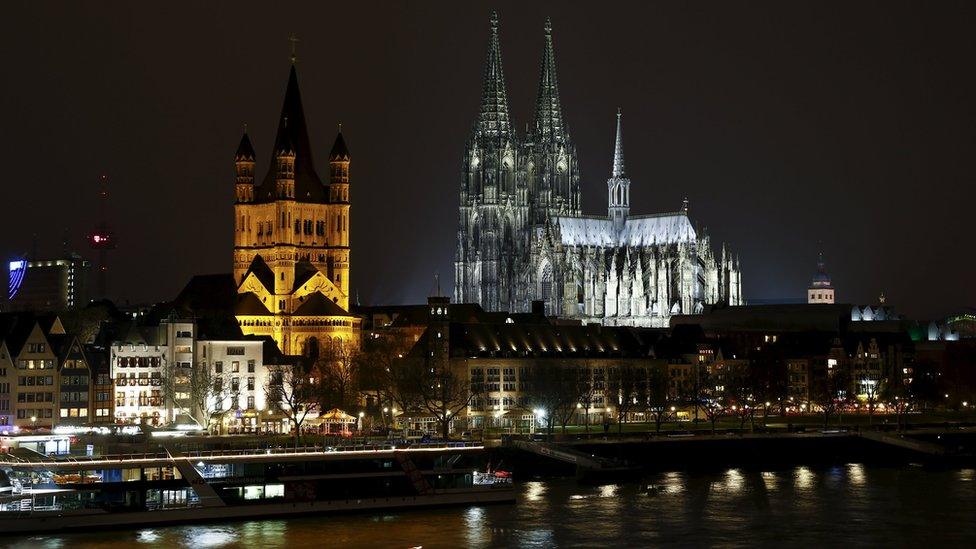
x=850 y=504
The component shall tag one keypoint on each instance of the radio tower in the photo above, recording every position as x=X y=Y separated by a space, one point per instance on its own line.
x=102 y=238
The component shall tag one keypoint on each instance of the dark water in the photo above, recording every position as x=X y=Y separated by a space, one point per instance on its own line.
x=851 y=505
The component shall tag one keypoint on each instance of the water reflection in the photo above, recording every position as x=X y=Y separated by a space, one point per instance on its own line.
x=148 y=536
x=852 y=505
x=734 y=481
x=211 y=536
x=803 y=478
x=674 y=483
x=855 y=474
x=534 y=491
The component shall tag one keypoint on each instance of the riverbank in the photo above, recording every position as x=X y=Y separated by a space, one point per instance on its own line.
x=705 y=452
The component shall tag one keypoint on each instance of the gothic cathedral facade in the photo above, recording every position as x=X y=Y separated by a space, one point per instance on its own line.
x=522 y=235
x=291 y=240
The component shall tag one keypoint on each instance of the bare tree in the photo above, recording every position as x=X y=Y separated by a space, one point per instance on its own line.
x=381 y=371
x=295 y=392
x=585 y=391
x=337 y=368
x=199 y=393
x=830 y=387
x=443 y=391
x=627 y=388
x=659 y=399
x=552 y=393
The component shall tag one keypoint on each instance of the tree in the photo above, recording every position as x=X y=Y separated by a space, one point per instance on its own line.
x=586 y=391
x=443 y=392
x=709 y=392
x=200 y=393
x=738 y=392
x=627 y=388
x=382 y=370
x=658 y=398
x=294 y=389
x=552 y=393
x=337 y=368
x=829 y=390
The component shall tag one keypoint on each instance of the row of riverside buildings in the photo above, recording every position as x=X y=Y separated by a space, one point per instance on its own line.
x=795 y=346
x=132 y=374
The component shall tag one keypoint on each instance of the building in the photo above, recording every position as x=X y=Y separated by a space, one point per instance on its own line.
x=820 y=290
x=74 y=381
x=32 y=377
x=291 y=240
x=522 y=235
x=146 y=363
x=238 y=368
x=102 y=384
x=49 y=285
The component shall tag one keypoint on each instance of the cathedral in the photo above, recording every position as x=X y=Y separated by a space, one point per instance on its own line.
x=291 y=240
x=522 y=235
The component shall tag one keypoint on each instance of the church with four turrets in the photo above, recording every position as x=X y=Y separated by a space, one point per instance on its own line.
x=522 y=235
x=291 y=239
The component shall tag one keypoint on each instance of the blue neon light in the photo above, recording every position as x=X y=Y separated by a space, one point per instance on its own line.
x=17 y=271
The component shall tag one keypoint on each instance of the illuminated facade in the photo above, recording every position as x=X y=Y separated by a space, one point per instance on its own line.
x=291 y=240
x=522 y=235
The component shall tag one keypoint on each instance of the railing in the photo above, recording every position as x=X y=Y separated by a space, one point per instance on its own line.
x=250 y=452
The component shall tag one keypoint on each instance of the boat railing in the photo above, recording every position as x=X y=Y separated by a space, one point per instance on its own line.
x=101 y=460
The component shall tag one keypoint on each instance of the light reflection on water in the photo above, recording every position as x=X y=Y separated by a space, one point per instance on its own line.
x=851 y=504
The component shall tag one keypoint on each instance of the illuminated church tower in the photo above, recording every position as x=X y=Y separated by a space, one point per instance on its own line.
x=291 y=240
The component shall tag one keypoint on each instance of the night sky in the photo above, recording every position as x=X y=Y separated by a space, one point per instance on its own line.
x=784 y=123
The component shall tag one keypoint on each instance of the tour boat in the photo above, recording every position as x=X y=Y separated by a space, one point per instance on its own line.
x=41 y=494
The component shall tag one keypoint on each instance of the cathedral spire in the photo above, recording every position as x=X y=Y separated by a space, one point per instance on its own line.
x=618 y=151
x=548 y=111
x=494 y=119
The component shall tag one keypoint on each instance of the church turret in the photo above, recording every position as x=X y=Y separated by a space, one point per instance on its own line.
x=618 y=186
x=821 y=290
x=244 y=168
x=339 y=160
x=285 y=166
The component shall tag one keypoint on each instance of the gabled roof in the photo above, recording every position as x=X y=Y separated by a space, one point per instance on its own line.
x=292 y=133
x=316 y=304
x=493 y=339
x=642 y=230
x=209 y=294
x=304 y=271
x=249 y=304
x=15 y=328
x=263 y=272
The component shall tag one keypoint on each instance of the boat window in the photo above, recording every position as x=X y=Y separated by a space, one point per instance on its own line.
x=274 y=491
x=253 y=492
